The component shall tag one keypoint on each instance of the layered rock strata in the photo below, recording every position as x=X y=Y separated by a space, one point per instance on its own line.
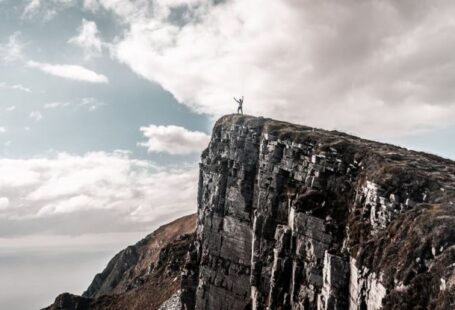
x=292 y=217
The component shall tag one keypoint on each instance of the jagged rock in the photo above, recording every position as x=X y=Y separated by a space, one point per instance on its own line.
x=143 y=276
x=68 y=301
x=291 y=217
x=172 y=303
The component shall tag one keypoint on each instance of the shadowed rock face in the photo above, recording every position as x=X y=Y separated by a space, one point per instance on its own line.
x=291 y=217
x=143 y=276
x=125 y=270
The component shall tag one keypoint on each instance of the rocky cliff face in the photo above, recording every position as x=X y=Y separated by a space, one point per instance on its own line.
x=291 y=217
x=143 y=276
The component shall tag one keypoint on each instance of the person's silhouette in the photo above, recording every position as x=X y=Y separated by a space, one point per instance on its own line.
x=240 y=102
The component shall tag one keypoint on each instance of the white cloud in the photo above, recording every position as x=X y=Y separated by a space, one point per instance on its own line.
x=15 y=87
x=173 y=139
x=45 y=10
x=89 y=103
x=56 y=104
x=372 y=68
x=91 y=5
x=2 y=130
x=4 y=203
x=36 y=115
x=88 y=39
x=21 y=88
x=71 y=72
x=31 y=9
x=129 y=10
x=10 y=108
x=127 y=193
x=12 y=50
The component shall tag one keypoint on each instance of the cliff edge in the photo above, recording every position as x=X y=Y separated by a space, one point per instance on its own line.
x=292 y=217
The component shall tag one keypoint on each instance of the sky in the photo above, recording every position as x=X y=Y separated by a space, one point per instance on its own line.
x=105 y=106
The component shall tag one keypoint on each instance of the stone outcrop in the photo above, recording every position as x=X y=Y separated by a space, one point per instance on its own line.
x=291 y=217
x=143 y=276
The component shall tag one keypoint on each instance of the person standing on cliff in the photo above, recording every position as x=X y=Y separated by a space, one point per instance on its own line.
x=240 y=102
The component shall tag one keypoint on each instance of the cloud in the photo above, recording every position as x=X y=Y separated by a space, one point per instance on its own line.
x=10 y=108
x=174 y=140
x=15 y=87
x=89 y=103
x=88 y=39
x=45 y=10
x=31 y=9
x=2 y=130
x=12 y=50
x=4 y=203
x=21 y=88
x=130 y=11
x=56 y=104
x=71 y=72
x=36 y=116
x=372 y=68
x=91 y=5
x=95 y=192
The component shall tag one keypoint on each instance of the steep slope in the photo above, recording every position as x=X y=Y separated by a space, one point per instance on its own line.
x=125 y=270
x=291 y=217
x=142 y=276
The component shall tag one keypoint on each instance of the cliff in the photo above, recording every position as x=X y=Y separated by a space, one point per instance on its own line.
x=143 y=276
x=291 y=217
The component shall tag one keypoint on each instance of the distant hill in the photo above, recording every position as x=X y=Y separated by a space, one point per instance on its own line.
x=142 y=276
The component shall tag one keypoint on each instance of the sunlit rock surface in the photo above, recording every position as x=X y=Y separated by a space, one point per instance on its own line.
x=291 y=217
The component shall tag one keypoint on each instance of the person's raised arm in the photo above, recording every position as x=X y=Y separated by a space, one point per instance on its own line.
x=236 y=100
